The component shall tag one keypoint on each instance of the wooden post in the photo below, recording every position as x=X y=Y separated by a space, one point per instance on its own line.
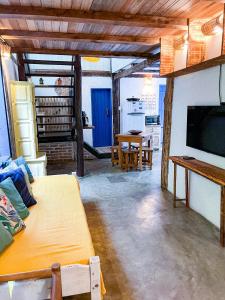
x=116 y=104
x=167 y=132
x=21 y=67
x=56 y=291
x=222 y=217
x=78 y=116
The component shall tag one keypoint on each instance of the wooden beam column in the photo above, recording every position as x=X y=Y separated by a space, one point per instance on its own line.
x=21 y=67
x=78 y=116
x=167 y=132
x=116 y=104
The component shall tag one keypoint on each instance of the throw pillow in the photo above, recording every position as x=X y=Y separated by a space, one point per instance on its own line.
x=11 y=192
x=21 y=161
x=18 y=179
x=5 y=238
x=26 y=178
x=13 y=166
x=8 y=215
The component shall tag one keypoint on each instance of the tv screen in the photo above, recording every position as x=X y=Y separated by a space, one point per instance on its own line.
x=206 y=128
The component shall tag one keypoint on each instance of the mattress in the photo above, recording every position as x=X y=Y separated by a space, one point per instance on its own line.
x=56 y=229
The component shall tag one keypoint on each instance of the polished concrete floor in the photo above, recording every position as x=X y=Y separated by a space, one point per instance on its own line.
x=148 y=250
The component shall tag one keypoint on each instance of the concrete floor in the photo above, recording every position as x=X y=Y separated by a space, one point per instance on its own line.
x=148 y=250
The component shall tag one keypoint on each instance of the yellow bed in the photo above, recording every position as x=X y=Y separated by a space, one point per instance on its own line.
x=56 y=229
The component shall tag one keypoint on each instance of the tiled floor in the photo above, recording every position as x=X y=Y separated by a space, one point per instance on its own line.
x=148 y=250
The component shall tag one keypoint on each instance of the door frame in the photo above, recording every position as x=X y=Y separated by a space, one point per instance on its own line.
x=111 y=123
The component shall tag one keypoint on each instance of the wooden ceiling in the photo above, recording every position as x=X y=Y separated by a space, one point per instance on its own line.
x=97 y=27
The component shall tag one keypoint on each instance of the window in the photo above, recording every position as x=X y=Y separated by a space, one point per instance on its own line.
x=4 y=132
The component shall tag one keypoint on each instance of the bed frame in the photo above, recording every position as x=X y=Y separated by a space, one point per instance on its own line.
x=76 y=279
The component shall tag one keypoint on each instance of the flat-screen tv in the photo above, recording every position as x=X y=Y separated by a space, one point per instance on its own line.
x=206 y=128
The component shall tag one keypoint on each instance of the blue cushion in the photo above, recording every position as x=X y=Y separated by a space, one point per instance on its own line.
x=21 y=161
x=18 y=179
x=11 y=192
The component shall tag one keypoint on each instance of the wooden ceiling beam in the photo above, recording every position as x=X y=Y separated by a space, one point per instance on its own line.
x=137 y=67
x=99 y=17
x=80 y=52
x=8 y=34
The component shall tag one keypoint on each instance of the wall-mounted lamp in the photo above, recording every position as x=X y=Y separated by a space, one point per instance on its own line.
x=181 y=41
x=214 y=26
x=5 y=51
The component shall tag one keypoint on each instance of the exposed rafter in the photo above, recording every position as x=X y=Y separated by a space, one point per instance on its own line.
x=137 y=67
x=80 y=52
x=99 y=17
x=8 y=34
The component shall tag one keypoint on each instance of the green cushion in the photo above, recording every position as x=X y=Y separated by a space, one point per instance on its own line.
x=9 y=216
x=5 y=238
x=11 y=192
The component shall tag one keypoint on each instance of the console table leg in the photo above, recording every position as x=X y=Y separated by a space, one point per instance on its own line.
x=187 y=187
x=222 y=217
x=174 y=184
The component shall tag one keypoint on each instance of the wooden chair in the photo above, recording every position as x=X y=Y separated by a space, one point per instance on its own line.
x=129 y=139
x=130 y=159
x=147 y=156
x=54 y=273
x=115 y=155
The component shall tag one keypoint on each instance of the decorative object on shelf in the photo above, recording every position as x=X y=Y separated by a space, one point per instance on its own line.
x=91 y=59
x=61 y=91
x=135 y=132
x=133 y=99
x=59 y=81
x=84 y=119
x=41 y=81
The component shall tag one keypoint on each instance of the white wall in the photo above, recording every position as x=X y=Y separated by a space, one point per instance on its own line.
x=200 y=88
x=130 y=87
x=118 y=63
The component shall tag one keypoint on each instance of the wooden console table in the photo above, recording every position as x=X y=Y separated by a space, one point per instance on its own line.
x=212 y=173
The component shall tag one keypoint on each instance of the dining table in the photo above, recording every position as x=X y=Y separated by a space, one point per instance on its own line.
x=129 y=138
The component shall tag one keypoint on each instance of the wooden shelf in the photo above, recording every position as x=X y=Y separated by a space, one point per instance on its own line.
x=89 y=127
x=213 y=173
x=54 y=86
x=208 y=171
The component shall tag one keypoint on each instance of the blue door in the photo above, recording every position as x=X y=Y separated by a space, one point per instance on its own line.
x=162 y=92
x=101 y=117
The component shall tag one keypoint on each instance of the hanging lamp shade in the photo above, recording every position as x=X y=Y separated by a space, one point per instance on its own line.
x=92 y=59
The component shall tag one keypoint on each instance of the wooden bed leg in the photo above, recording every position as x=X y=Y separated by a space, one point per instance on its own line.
x=95 y=278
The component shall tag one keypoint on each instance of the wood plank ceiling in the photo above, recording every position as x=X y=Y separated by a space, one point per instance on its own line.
x=97 y=36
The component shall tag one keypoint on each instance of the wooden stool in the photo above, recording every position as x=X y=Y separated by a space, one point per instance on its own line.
x=147 y=156
x=115 y=155
x=130 y=159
